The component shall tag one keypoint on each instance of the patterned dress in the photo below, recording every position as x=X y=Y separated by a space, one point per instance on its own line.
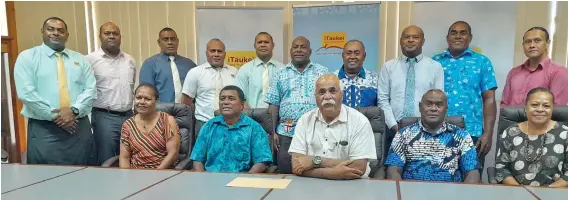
x=516 y=150
x=147 y=150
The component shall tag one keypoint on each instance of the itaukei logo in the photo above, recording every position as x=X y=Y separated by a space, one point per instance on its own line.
x=239 y=58
x=332 y=40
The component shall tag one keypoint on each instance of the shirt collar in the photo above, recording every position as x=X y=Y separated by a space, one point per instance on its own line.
x=50 y=52
x=342 y=74
x=291 y=66
x=259 y=62
x=445 y=127
x=102 y=53
x=209 y=65
x=544 y=63
x=242 y=121
x=418 y=58
x=467 y=51
x=167 y=57
x=342 y=117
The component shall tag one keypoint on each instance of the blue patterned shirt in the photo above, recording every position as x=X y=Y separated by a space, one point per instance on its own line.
x=467 y=77
x=293 y=92
x=360 y=91
x=441 y=156
x=223 y=148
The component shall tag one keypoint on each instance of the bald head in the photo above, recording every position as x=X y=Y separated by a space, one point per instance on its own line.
x=300 y=52
x=435 y=93
x=110 y=37
x=411 y=41
x=329 y=96
x=215 y=52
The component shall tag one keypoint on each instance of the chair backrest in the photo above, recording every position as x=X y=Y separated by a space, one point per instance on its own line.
x=185 y=120
x=260 y=115
x=455 y=120
x=377 y=119
x=511 y=115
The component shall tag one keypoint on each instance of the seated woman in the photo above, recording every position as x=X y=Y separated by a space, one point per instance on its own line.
x=149 y=139
x=534 y=152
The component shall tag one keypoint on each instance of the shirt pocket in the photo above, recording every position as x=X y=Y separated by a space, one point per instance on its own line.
x=75 y=74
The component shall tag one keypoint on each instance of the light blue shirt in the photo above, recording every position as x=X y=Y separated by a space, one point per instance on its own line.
x=294 y=93
x=466 y=78
x=35 y=75
x=223 y=148
x=249 y=79
x=392 y=85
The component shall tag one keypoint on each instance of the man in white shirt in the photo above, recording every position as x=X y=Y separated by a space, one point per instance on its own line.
x=115 y=73
x=204 y=83
x=403 y=81
x=332 y=141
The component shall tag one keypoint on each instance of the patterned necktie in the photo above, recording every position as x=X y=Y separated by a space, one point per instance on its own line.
x=177 y=82
x=265 y=79
x=218 y=86
x=409 y=89
x=64 y=101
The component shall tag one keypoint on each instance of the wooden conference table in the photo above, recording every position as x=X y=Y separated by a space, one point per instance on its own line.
x=22 y=182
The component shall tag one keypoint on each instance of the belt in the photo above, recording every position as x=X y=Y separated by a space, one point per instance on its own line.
x=121 y=113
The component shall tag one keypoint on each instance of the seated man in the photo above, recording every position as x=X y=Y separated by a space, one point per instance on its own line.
x=432 y=149
x=231 y=142
x=332 y=141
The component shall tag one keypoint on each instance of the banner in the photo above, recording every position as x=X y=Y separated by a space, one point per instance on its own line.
x=485 y=18
x=329 y=27
x=237 y=27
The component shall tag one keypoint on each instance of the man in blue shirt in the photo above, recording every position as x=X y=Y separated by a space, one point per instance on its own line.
x=432 y=149
x=57 y=87
x=291 y=95
x=359 y=84
x=469 y=83
x=167 y=70
x=232 y=142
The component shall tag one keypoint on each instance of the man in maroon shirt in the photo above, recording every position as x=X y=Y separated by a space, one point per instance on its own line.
x=537 y=71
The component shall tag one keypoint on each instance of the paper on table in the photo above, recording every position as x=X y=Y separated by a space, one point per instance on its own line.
x=260 y=183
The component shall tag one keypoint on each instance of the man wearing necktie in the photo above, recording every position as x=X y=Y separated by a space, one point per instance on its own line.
x=403 y=81
x=254 y=77
x=204 y=83
x=57 y=87
x=167 y=70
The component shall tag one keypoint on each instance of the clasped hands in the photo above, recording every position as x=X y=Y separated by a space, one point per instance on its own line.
x=340 y=171
x=66 y=119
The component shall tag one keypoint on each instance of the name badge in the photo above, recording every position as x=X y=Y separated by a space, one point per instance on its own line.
x=77 y=63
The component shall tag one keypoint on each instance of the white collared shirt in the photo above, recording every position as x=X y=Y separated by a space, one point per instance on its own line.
x=115 y=80
x=315 y=137
x=200 y=85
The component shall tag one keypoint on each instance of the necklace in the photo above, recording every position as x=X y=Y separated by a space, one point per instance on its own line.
x=539 y=150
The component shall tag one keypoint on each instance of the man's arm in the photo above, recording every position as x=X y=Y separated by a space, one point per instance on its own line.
x=507 y=93
x=489 y=116
x=198 y=166
x=472 y=176
x=274 y=109
x=257 y=168
x=147 y=72
x=383 y=96
x=559 y=87
x=188 y=101
x=189 y=90
x=172 y=145
x=199 y=153
x=27 y=92
x=261 y=153
x=330 y=168
x=394 y=173
x=85 y=99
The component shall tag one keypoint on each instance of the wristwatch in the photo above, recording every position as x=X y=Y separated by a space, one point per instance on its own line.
x=75 y=111
x=316 y=160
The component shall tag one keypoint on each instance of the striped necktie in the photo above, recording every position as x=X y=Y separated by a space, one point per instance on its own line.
x=409 y=89
x=64 y=101
x=265 y=79
x=218 y=86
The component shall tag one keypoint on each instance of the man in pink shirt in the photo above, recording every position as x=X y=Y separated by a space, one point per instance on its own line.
x=537 y=71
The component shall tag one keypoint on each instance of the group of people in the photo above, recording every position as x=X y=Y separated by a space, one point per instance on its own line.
x=317 y=130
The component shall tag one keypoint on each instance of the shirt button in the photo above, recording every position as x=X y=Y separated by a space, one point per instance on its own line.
x=323 y=152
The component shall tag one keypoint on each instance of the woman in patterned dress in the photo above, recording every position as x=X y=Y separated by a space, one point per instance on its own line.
x=534 y=152
x=149 y=139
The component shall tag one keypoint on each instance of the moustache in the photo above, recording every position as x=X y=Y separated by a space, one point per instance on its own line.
x=328 y=101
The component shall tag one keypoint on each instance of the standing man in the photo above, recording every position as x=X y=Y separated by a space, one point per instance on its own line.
x=115 y=72
x=290 y=95
x=405 y=79
x=470 y=86
x=57 y=87
x=167 y=70
x=254 y=77
x=359 y=84
x=537 y=71
x=204 y=83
